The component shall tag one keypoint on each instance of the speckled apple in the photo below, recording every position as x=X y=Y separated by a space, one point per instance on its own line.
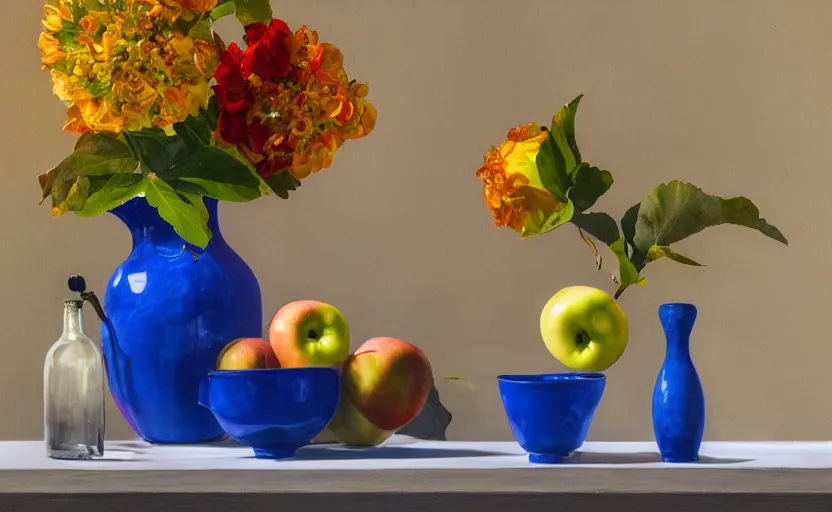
x=388 y=381
x=247 y=354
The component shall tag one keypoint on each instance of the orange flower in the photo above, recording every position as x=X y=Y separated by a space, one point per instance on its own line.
x=130 y=57
x=512 y=186
x=286 y=102
x=50 y=50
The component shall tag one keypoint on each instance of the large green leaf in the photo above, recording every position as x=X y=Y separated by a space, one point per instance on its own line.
x=156 y=151
x=188 y=157
x=590 y=183
x=108 y=192
x=556 y=163
x=187 y=219
x=565 y=119
x=94 y=155
x=252 y=11
x=677 y=210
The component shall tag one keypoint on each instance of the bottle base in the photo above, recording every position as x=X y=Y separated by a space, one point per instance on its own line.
x=74 y=452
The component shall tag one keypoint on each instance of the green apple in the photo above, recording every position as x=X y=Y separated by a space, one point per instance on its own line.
x=351 y=428
x=584 y=328
x=308 y=333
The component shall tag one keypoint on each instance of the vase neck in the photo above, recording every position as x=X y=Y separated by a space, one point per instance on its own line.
x=677 y=321
x=145 y=224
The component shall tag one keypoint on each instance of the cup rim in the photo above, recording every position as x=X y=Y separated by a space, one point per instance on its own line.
x=550 y=379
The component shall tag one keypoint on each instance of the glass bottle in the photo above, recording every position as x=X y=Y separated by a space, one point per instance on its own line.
x=73 y=400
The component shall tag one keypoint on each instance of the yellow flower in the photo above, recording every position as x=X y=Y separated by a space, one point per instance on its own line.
x=511 y=183
x=126 y=64
x=50 y=50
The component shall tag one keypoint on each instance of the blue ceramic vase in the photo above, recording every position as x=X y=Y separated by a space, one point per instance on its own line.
x=678 y=398
x=171 y=308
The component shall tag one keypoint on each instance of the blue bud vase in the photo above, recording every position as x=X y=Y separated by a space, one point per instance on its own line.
x=678 y=399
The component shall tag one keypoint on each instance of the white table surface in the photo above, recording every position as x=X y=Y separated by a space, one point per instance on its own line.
x=406 y=453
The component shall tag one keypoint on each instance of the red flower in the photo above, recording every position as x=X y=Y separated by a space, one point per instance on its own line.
x=232 y=90
x=268 y=54
x=232 y=128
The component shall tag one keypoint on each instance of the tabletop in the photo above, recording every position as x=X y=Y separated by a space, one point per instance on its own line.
x=405 y=472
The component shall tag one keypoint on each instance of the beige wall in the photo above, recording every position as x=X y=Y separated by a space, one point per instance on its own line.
x=734 y=96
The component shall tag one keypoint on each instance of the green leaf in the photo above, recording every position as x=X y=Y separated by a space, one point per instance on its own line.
x=188 y=157
x=94 y=155
x=282 y=183
x=555 y=220
x=677 y=210
x=657 y=252
x=555 y=162
x=222 y=10
x=187 y=220
x=628 y=229
x=108 y=192
x=198 y=203
x=565 y=119
x=252 y=11
x=74 y=195
x=155 y=150
x=590 y=183
x=224 y=191
x=627 y=273
x=599 y=225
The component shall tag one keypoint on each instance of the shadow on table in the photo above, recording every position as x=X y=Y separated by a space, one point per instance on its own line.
x=386 y=452
x=640 y=458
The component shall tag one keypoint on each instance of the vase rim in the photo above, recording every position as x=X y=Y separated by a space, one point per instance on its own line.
x=678 y=305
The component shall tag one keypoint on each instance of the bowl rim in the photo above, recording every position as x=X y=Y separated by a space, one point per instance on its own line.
x=250 y=371
x=551 y=379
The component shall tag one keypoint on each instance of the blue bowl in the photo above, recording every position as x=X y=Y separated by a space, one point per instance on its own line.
x=274 y=411
x=550 y=414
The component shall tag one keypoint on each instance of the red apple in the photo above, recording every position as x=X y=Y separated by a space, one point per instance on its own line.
x=388 y=381
x=309 y=333
x=246 y=354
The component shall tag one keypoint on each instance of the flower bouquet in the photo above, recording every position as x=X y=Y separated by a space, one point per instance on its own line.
x=165 y=110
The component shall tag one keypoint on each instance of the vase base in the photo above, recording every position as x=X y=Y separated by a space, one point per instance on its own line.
x=283 y=452
x=680 y=460
x=547 y=458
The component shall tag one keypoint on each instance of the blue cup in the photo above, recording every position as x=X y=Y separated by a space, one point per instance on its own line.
x=274 y=411
x=550 y=414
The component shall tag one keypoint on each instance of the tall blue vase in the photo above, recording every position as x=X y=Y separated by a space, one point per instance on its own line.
x=678 y=398
x=171 y=309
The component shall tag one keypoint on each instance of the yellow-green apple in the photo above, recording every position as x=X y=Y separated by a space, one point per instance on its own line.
x=351 y=428
x=584 y=328
x=388 y=381
x=308 y=333
x=247 y=353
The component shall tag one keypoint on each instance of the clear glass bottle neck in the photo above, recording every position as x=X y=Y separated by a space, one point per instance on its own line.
x=73 y=319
